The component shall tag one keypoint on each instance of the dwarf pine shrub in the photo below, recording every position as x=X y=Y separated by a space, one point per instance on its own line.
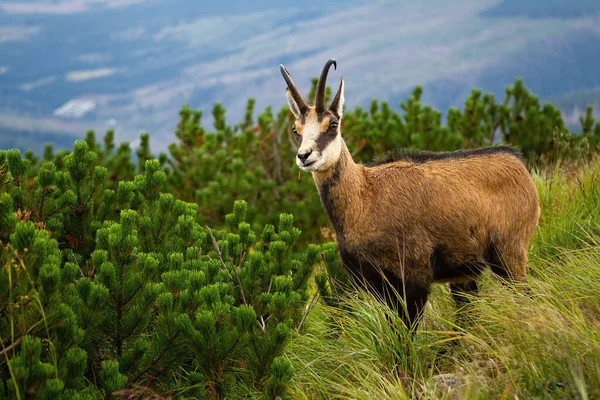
x=104 y=292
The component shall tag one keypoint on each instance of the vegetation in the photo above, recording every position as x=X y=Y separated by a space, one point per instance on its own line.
x=114 y=292
x=185 y=275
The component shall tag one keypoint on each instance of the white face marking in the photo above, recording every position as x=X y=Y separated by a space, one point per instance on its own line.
x=310 y=134
x=318 y=160
x=328 y=158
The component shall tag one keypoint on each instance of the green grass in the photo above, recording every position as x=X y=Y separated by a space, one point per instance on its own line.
x=539 y=343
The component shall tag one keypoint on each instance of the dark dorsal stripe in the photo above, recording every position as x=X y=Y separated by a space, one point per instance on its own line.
x=421 y=157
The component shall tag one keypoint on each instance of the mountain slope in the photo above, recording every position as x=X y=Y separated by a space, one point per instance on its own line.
x=137 y=61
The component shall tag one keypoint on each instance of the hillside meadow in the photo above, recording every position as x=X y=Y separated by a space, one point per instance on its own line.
x=206 y=272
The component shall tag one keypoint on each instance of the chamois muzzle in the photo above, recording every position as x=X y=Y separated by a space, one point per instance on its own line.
x=302 y=106
x=320 y=96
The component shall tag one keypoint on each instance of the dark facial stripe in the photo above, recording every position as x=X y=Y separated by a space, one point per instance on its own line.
x=324 y=139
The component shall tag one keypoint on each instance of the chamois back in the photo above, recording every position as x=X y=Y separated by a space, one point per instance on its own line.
x=420 y=156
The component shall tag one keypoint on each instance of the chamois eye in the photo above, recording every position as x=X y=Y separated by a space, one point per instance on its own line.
x=294 y=130
x=333 y=126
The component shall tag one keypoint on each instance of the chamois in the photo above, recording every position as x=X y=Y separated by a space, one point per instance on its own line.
x=417 y=217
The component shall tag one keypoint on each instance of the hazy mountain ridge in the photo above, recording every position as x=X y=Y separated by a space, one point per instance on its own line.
x=138 y=63
x=542 y=67
x=543 y=8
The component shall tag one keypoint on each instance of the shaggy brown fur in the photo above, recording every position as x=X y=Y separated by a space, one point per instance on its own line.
x=440 y=220
x=417 y=217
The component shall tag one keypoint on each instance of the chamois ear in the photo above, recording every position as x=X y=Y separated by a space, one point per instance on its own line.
x=292 y=103
x=337 y=104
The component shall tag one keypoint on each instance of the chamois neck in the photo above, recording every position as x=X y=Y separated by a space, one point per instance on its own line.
x=345 y=165
x=340 y=189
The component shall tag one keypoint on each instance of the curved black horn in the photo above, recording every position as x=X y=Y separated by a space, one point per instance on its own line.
x=293 y=89
x=320 y=97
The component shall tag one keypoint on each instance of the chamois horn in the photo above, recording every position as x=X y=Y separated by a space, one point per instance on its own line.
x=293 y=89
x=320 y=97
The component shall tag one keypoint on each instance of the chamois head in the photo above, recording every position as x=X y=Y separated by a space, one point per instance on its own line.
x=317 y=128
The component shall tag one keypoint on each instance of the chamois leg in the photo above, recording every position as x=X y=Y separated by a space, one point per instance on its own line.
x=415 y=298
x=460 y=292
x=509 y=262
x=405 y=298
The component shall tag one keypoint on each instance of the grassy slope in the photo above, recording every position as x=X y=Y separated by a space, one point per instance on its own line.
x=545 y=344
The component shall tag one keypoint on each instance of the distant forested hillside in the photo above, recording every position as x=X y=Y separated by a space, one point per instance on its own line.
x=134 y=63
x=569 y=101
x=543 y=8
x=553 y=67
x=34 y=140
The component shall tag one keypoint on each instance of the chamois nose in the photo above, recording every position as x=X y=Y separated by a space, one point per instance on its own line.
x=303 y=157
